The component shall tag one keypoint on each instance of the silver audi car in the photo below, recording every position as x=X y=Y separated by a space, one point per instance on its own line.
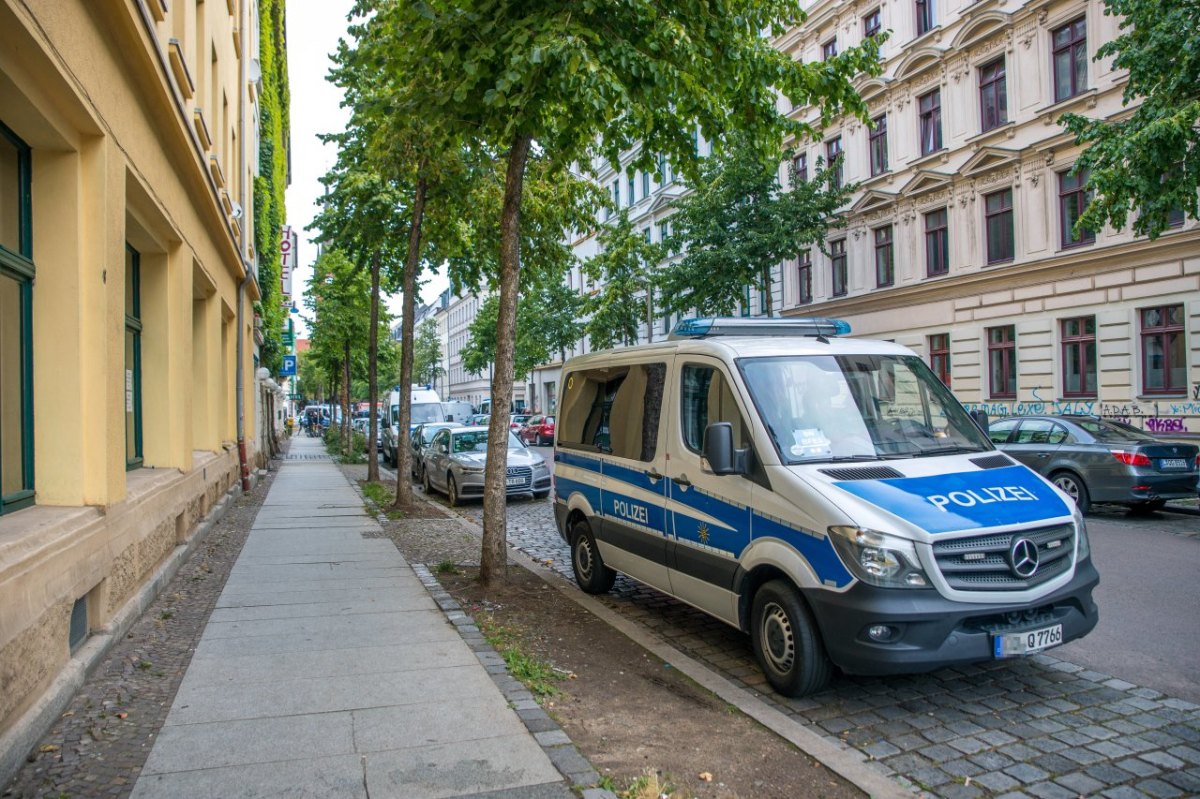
x=454 y=464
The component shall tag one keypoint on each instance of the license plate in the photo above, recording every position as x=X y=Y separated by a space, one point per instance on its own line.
x=1027 y=643
x=1173 y=463
x=516 y=481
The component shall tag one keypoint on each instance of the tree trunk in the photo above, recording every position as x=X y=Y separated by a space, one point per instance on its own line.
x=493 y=565
x=373 y=374
x=412 y=262
x=347 y=435
x=649 y=313
x=768 y=298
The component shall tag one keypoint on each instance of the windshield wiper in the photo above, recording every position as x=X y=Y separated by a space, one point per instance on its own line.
x=953 y=449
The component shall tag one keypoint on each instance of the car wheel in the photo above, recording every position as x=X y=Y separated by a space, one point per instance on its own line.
x=452 y=491
x=1149 y=506
x=786 y=641
x=1073 y=487
x=590 y=572
x=425 y=484
x=541 y=441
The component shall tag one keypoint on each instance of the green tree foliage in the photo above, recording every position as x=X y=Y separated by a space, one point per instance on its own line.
x=427 y=353
x=1147 y=162
x=572 y=76
x=547 y=324
x=271 y=182
x=737 y=223
x=625 y=267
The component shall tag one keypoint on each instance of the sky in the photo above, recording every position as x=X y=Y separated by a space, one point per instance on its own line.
x=313 y=30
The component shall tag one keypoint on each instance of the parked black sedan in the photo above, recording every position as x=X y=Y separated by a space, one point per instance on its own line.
x=1101 y=460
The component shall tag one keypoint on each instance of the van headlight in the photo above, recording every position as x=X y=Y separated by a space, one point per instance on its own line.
x=1084 y=550
x=877 y=558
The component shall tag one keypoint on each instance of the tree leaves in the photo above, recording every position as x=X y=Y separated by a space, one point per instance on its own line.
x=1147 y=163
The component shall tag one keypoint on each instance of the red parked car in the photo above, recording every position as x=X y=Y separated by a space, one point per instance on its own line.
x=538 y=430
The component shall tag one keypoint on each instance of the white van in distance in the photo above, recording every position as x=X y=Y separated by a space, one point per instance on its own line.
x=426 y=406
x=827 y=495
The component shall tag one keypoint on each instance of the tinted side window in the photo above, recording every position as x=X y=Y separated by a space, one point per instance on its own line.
x=1034 y=431
x=705 y=397
x=999 y=432
x=616 y=410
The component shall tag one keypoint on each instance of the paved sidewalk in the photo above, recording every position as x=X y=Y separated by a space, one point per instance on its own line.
x=328 y=670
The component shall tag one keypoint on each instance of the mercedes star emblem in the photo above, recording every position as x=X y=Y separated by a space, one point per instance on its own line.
x=1023 y=555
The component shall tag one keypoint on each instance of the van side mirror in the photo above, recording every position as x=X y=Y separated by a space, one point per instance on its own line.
x=719 y=454
x=981 y=418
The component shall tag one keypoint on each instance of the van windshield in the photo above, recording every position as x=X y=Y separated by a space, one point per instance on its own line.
x=857 y=407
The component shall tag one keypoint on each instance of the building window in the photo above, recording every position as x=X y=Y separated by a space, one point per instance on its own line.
x=872 y=24
x=993 y=95
x=632 y=187
x=16 y=323
x=616 y=190
x=133 y=359
x=924 y=16
x=1175 y=217
x=930 y=106
x=937 y=251
x=664 y=233
x=645 y=184
x=800 y=166
x=745 y=300
x=833 y=155
x=879 y=153
x=885 y=270
x=1002 y=362
x=939 y=357
x=829 y=49
x=664 y=170
x=1164 y=366
x=804 y=278
x=1070 y=59
x=1079 y=356
x=837 y=252
x=998 y=211
x=1073 y=198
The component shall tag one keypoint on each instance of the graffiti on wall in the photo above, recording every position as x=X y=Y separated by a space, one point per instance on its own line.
x=1156 y=417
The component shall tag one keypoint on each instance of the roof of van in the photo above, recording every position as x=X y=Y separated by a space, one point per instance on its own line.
x=730 y=347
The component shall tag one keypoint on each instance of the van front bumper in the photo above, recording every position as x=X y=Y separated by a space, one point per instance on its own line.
x=933 y=632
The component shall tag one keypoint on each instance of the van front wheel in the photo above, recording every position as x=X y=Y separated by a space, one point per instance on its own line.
x=590 y=572
x=786 y=641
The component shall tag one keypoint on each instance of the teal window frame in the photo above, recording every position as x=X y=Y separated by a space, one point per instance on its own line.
x=19 y=267
x=133 y=324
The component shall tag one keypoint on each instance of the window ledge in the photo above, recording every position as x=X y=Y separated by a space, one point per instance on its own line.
x=1005 y=130
x=1085 y=99
x=940 y=156
x=933 y=34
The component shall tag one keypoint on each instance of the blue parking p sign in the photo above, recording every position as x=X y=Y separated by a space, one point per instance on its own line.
x=289 y=366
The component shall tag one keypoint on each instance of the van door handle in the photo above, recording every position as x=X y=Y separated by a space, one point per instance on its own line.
x=653 y=475
x=682 y=480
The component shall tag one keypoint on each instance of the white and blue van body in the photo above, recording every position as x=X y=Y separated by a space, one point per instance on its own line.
x=828 y=495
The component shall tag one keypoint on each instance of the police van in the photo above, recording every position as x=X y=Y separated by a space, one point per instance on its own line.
x=828 y=495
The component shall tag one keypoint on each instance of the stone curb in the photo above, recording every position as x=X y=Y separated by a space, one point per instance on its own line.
x=557 y=745
x=32 y=726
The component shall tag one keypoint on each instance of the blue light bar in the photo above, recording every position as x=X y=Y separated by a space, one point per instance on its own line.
x=742 y=326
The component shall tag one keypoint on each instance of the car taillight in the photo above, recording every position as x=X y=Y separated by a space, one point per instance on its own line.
x=1131 y=458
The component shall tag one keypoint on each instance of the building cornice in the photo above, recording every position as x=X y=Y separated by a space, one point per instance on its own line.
x=1094 y=260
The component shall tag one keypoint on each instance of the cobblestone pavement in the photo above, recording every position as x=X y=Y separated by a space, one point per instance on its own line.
x=100 y=744
x=1040 y=727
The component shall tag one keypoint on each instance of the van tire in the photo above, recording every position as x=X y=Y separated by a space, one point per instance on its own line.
x=590 y=572
x=786 y=641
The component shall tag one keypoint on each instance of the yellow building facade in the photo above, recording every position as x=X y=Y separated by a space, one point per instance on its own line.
x=127 y=151
x=959 y=241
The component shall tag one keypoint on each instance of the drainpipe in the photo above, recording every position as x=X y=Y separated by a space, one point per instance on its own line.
x=246 y=265
x=241 y=376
